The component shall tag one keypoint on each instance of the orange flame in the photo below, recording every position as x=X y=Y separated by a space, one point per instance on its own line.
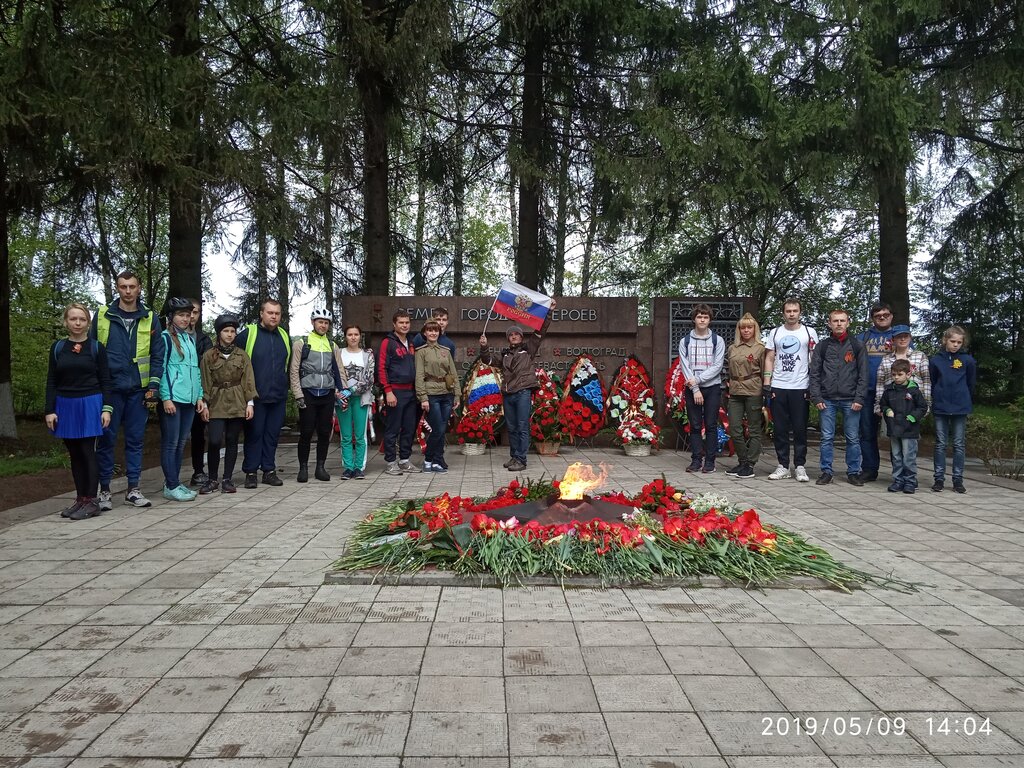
x=580 y=479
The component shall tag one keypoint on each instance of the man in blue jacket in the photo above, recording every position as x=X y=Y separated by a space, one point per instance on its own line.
x=877 y=341
x=269 y=348
x=131 y=333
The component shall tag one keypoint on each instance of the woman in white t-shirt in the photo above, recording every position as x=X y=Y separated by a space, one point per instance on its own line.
x=356 y=365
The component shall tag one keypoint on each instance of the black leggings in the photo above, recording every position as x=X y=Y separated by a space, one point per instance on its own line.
x=198 y=444
x=84 y=468
x=223 y=432
x=317 y=416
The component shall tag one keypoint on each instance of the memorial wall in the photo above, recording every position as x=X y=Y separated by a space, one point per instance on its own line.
x=606 y=328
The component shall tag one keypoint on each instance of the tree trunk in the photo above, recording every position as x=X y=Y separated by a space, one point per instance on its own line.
x=281 y=246
x=419 y=287
x=263 y=264
x=185 y=257
x=528 y=258
x=893 y=252
x=185 y=195
x=890 y=172
x=588 y=245
x=8 y=425
x=328 y=254
x=459 y=189
x=562 y=207
x=376 y=98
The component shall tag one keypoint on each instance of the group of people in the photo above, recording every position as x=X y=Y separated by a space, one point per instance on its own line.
x=214 y=392
x=101 y=378
x=874 y=376
x=419 y=376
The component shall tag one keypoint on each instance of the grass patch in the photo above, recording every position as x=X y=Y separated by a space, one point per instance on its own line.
x=22 y=464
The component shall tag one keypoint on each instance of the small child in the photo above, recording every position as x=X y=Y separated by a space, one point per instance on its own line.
x=953 y=373
x=903 y=404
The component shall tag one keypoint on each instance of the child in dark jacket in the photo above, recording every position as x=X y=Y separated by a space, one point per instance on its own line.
x=903 y=404
x=953 y=373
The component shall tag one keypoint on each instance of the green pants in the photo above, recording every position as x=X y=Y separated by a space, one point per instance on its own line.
x=352 y=422
x=748 y=450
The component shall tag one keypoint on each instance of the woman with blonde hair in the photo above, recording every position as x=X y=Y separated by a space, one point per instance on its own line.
x=78 y=404
x=746 y=367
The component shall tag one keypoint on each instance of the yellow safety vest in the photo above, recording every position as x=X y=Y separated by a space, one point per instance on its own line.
x=142 y=334
x=250 y=342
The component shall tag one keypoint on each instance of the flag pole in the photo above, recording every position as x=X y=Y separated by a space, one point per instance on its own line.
x=488 y=318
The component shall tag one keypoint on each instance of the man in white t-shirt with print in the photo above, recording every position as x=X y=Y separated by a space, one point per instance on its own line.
x=787 y=384
x=702 y=355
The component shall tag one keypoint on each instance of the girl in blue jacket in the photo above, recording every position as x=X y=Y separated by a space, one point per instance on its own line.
x=181 y=394
x=953 y=373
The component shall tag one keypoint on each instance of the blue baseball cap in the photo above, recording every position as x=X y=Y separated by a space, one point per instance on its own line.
x=898 y=329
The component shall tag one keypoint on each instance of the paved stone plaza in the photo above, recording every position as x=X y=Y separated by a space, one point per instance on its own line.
x=202 y=635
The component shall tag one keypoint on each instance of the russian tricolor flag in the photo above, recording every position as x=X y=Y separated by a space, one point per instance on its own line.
x=521 y=305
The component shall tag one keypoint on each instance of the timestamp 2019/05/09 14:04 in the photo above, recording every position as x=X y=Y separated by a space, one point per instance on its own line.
x=876 y=725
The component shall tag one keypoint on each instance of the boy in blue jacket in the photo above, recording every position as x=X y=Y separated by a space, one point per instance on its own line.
x=953 y=373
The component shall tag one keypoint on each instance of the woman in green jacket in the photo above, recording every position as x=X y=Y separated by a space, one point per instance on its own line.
x=230 y=388
x=437 y=389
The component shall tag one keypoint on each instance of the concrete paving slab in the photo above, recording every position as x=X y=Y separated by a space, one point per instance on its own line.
x=204 y=635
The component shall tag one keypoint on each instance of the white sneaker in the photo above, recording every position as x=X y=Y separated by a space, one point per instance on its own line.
x=428 y=466
x=780 y=473
x=801 y=475
x=134 y=498
x=104 y=502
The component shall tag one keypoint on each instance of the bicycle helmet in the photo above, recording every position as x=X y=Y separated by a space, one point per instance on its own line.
x=225 y=321
x=177 y=304
x=320 y=313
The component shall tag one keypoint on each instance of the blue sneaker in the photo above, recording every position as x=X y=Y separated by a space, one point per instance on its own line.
x=181 y=493
x=439 y=469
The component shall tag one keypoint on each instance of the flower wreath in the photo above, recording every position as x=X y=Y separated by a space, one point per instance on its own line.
x=631 y=390
x=581 y=409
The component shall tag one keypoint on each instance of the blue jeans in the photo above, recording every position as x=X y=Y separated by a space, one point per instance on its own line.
x=904 y=461
x=175 y=429
x=943 y=424
x=437 y=417
x=704 y=447
x=869 y=424
x=517 y=420
x=262 y=432
x=400 y=426
x=851 y=430
x=129 y=411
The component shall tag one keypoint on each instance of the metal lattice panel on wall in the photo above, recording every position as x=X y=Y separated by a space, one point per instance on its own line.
x=726 y=314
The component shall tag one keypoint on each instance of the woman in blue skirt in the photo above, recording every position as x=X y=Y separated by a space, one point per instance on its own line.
x=78 y=404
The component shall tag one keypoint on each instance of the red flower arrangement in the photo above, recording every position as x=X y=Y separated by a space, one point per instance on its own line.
x=476 y=427
x=545 y=424
x=661 y=534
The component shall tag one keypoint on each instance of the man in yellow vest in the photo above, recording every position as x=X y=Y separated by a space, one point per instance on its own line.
x=269 y=348
x=130 y=331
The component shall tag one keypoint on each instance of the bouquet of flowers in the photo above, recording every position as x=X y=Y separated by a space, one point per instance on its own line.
x=638 y=428
x=476 y=427
x=545 y=425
